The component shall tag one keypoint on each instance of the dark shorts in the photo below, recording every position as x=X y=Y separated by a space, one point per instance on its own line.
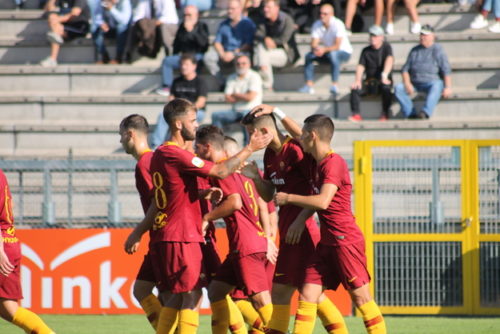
x=248 y=273
x=147 y=272
x=334 y=265
x=10 y=286
x=178 y=266
x=292 y=261
x=211 y=260
x=75 y=30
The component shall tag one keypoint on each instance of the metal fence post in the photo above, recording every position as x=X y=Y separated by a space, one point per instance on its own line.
x=21 y=198
x=48 y=206
x=70 y=188
x=114 y=207
x=436 y=207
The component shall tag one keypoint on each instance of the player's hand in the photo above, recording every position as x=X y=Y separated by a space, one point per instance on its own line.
x=5 y=266
x=272 y=251
x=281 y=199
x=204 y=228
x=259 y=140
x=295 y=232
x=214 y=195
x=251 y=170
x=132 y=243
x=262 y=109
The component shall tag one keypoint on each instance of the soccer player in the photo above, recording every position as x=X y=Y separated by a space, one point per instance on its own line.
x=10 y=263
x=134 y=131
x=340 y=256
x=247 y=265
x=175 y=216
x=286 y=169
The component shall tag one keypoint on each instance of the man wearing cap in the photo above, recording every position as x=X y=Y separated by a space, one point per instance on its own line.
x=426 y=70
x=375 y=63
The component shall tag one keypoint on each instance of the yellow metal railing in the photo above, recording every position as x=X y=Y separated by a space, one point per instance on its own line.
x=467 y=232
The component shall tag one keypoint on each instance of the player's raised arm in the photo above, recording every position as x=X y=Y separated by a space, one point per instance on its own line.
x=258 y=141
x=231 y=204
x=320 y=201
x=264 y=187
x=289 y=123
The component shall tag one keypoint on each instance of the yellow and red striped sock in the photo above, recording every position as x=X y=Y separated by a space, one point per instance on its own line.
x=250 y=316
x=189 y=321
x=279 y=320
x=236 y=321
x=152 y=307
x=167 y=321
x=330 y=316
x=30 y=322
x=374 y=321
x=305 y=317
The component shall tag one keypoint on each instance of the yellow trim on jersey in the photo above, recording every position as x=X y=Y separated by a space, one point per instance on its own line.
x=170 y=143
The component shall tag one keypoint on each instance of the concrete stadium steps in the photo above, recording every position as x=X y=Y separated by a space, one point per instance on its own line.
x=19 y=50
x=25 y=140
x=99 y=79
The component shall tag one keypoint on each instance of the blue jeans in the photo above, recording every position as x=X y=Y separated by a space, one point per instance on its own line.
x=433 y=90
x=120 y=33
x=159 y=135
x=171 y=63
x=221 y=118
x=488 y=4
x=202 y=5
x=335 y=58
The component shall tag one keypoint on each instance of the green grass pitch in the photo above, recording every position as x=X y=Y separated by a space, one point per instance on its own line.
x=137 y=324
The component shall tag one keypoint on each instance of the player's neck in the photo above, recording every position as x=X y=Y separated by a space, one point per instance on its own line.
x=177 y=138
x=218 y=156
x=278 y=141
x=321 y=151
x=140 y=149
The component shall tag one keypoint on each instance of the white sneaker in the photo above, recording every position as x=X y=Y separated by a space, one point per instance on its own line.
x=389 y=28
x=163 y=91
x=415 y=27
x=306 y=89
x=48 y=62
x=495 y=27
x=479 y=22
x=54 y=38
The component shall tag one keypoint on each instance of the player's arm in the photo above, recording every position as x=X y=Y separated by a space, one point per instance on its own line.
x=264 y=187
x=273 y=222
x=289 y=124
x=5 y=266
x=231 y=204
x=264 y=217
x=132 y=242
x=258 y=141
x=296 y=228
x=320 y=201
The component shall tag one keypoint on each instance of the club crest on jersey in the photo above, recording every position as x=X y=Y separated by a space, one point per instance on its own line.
x=282 y=165
x=198 y=162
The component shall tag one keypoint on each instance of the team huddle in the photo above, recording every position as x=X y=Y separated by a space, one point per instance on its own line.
x=199 y=176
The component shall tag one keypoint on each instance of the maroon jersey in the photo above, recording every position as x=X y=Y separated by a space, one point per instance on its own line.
x=244 y=230
x=143 y=180
x=338 y=225
x=206 y=206
x=175 y=188
x=290 y=172
x=6 y=215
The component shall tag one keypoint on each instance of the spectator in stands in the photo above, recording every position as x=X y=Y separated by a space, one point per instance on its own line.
x=191 y=37
x=110 y=19
x=165 y=14
x=330 y=44
x=70 y=22
x=426 y=70
x=188 y=86
x=275 y=42
x=411 y=7
x=375 y=63
x=481 y=20
x=235 y=35
x=201 y=5
x=243 y=90
x=303 y=12
x=254 y=10
x=350 y=11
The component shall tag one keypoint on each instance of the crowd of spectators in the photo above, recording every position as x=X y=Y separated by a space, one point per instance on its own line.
x=261 y=33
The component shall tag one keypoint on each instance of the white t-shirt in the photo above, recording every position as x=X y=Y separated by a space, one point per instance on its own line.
x=250 y=82
x=327 y=36
x=165 y=11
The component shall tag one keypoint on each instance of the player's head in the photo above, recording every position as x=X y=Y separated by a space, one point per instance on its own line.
x=231 y=146
x=264 y=123
x=180 y=115
x=133 y=128
x=317 y=128
x=209 y=139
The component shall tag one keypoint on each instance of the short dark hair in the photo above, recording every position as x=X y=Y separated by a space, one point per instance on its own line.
x=188 y=56
x=177 y=108
x=251 y=119
x=322 y=124
x=210 y=134
x=136 y=122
